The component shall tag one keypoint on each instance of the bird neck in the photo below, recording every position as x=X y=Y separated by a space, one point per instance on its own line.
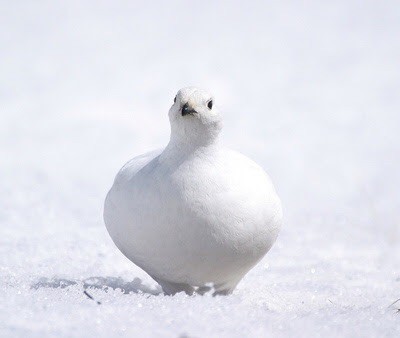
x=186 y=146
x=190 y=136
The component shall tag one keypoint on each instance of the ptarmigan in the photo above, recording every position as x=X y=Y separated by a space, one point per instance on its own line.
x=194 y=214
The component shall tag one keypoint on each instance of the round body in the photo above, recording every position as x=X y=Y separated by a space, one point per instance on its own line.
x=195 y=216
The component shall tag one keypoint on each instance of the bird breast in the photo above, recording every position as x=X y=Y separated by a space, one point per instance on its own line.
x=215 y=213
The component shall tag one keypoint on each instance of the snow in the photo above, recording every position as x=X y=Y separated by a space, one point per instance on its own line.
x=309 y=91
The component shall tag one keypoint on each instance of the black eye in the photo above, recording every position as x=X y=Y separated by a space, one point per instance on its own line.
x=174 y=99
x=210 y=104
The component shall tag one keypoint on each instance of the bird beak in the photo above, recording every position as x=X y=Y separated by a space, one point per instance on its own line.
x=186 y=109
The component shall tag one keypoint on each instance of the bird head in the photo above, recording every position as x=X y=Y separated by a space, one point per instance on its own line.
x=194 y=117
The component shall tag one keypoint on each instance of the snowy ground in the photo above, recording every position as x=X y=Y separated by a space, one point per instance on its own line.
x=309 y=91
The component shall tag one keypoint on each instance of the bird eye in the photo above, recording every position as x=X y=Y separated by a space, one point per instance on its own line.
x=174 y=99
x=210 y=104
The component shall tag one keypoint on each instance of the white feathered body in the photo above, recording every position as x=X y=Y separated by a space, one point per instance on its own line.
x=195 y=216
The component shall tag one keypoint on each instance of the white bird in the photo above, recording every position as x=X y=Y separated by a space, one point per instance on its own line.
x=194 y=214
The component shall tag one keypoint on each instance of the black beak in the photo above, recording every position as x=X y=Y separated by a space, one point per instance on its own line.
x=187 y=110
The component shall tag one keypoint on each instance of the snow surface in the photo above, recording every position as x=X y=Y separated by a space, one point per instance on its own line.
x=309 y=90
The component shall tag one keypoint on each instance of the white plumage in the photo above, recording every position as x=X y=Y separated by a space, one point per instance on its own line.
x=194 y=213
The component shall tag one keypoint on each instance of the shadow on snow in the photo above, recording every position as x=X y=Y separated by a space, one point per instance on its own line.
x=102 y=283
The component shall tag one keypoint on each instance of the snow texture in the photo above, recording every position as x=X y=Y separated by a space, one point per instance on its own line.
x=309 y=90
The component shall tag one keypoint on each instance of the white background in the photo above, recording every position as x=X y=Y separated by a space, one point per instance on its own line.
x=309 y=90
